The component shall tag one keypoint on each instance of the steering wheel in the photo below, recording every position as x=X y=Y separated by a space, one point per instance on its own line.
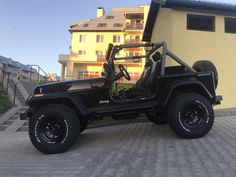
x=124 y=72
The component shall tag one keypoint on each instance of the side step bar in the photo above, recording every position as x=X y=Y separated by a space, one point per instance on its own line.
x=121 y=108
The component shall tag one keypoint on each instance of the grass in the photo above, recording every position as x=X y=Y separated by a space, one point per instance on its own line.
x=5 y=103
x=121 y=86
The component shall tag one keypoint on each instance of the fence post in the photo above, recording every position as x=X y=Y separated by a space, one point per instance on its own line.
x=3 y=75
x=30 y=73
x=14 y=100
x=8 y=78
x=38 y=74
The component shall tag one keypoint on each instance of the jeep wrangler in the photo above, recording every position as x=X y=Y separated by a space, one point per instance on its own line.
x=168 y=91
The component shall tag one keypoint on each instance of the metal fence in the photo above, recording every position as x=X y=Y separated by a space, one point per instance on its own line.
x=7 y=83
x=10 y=77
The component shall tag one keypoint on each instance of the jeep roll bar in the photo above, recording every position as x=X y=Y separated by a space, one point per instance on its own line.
x=113 y=50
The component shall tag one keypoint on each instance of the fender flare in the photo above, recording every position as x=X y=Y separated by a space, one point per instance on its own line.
x=170 y=88
x=78 y=104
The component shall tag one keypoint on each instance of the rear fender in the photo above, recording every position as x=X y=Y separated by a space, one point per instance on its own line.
x=174 y=88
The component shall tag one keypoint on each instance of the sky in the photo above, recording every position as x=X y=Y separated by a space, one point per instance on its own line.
x=36 y=31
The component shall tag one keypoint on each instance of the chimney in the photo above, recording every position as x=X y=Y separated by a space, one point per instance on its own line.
x=100 y=11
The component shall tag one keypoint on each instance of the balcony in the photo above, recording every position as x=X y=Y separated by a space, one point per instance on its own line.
x=134 y=26
x=134 y=61
x=101 y=58
x=133 y=41
x=63 y=58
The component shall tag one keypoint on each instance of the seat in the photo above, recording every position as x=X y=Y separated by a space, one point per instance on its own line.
x=143 y=87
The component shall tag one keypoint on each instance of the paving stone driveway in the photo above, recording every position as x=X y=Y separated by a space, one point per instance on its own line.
x=131 y=150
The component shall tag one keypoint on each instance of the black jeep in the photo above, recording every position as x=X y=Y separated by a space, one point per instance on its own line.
x=178 y=94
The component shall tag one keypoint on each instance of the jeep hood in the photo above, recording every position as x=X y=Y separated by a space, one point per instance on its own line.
x=70 y=86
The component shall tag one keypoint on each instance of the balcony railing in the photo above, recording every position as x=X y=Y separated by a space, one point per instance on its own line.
x=132 y=41
x=134 y=26
x=64 y=57
x=101 y=58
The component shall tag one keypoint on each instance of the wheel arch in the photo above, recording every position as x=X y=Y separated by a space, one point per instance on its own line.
x=75 y=105
x=182 y=87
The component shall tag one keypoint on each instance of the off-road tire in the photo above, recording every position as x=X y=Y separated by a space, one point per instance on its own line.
x=158 y=119
x=186 y=108
x=54 y=129
x=205 y=65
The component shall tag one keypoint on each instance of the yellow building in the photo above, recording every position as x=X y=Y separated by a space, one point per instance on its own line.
x=90 y=40
x=197 y=30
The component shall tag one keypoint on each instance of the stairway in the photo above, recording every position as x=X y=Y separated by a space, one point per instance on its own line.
x=29 y=86
x=13 y=122
x=18 y=93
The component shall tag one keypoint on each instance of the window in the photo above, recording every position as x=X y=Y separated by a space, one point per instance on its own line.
x=134 y=53
x=100 y=38
x=110 y=17
x=102 y=25
x=132 y=37
x=99 y=52
x=116 y=39
x=230 y=25
x=82 y=38
x=88 y=74
x=118 y=24
x=82 y=52
x=85 y=25
x=200 y=22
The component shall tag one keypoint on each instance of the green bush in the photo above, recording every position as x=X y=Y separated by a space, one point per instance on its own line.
x=5 y=103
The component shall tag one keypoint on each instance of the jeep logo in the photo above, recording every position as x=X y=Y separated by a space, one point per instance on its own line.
x=104 y=102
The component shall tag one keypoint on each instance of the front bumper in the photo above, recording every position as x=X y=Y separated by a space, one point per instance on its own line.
x=25 y=115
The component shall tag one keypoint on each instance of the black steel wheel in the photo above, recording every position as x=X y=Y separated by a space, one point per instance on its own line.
x=190 y=115
x=53 y=129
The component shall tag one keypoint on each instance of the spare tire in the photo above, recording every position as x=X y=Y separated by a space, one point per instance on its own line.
x=205 y=65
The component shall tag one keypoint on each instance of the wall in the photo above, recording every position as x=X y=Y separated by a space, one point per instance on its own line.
x=216 y=46
x=78 y=63
x=192 y=45
x=90 y=45
x=163 y=27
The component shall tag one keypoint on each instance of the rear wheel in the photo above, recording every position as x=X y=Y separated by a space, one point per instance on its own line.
x=157 y=118
x=190 y=115
x=54 y=129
